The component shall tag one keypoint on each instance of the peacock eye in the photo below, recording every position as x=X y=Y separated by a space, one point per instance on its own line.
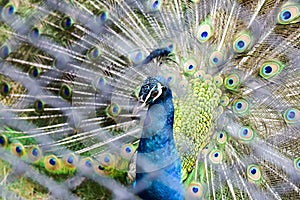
x=242 y=42
x=204 y=31
x=270 y=69
x=102 y=17
x=113 y=110
x=240 y=106
x=8 y=10
x=222 y=137
x=86 y=164
x=67 y=23
x=189 y=66
x=246 y=133
x=224 y=100
x=127 y=151
x=39 y=106
x=35 y=154
x=199 y=74
x=254 y=173
x=65 y=91
x=18 y=149
x=232 y=81
x=34 y=72
x=155 y=5
x=107 y=160
x=195 y=190
x=3 y=140
x=289 y=13
x=34 y=34
x=154 y=94
x=218 y=81
x=5 y=50
x=216 y=156
x=70 y=161
x=52 y=163
x=292 y=116
x=5 y=88
x=94 y=53
x=216 y=59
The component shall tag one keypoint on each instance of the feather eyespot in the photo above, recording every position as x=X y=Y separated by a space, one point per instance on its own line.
x=171 y=79
x=204 y=31
x=155 y=5
x=94 y=53
x=39 y=106
x=66 y=91
x=61 y=62
x=254 y=173
x=8 y=10
x=137 y=57
x=18 y=149
x=102 y=17
x=5 y=50
x=107 y=160
x=270 y=69
x=34 y=34
x=240 y=106
x=189 y=66
x=5 y=88
x=218 y=81
x=199 y=74
x=86 y=164
x=289 y=13
x=216 y=59
x=127 y=151
x=195 y=190
x=35 y=154
x=70 y=161
x=291 y=116
x=222 y=137
x=34 y=72
x=100 y=83
x=216 y=156
x=67 y=23
x=113 y=110
x=242 y=42
x=246 y=133
x=206 y=149
x=224 y=100
x=3 y=140
x=52 y=163
x=232 y=81
x=99 y=169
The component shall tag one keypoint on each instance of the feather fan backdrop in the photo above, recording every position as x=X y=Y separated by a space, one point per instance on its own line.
x=150 y=99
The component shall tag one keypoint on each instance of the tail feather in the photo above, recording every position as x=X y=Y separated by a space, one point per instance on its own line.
x=70 y=75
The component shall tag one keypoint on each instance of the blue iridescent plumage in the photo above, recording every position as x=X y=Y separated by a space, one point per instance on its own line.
x=158 y=170
x=162 y=52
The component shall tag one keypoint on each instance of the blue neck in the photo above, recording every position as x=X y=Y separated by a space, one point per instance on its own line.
x=158 y=163
x=158 y=125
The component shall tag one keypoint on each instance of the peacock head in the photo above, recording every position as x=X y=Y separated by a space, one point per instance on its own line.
x=152 y=90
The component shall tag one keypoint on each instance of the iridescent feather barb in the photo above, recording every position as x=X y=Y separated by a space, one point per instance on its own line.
x=71 y=73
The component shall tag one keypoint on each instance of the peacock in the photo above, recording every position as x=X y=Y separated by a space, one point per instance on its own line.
x=150 y=99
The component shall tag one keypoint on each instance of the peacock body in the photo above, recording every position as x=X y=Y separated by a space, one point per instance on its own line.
x=173 y=99
x=158 y=165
